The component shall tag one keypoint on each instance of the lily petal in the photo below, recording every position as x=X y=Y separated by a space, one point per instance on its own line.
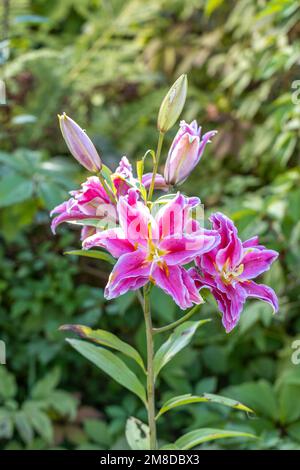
x=256 y=262
x=130 y=273
x=230 y=249
x=113 y=240
x=262 y=292
x=175 y=281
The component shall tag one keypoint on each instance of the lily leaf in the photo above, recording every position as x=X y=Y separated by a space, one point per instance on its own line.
x=194 y=438
x=105 y=338
x=97 y=254
x=205 y=398
x=180 y=338
x=137 y=434
x=111 y=365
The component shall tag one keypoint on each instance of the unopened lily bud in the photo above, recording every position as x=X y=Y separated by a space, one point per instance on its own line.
x=172 y=104
x=79 y=144
x=185 y=152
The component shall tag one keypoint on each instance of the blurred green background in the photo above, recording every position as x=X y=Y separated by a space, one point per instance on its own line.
x=108 y=64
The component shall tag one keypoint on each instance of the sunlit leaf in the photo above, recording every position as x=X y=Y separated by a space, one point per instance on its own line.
x=180 y=338
x=205 y=398
x=111 y=365
x=137 y=434
x=194 y=438
x=105 y=338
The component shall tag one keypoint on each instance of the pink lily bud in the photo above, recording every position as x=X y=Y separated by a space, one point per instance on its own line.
x=79 y=144
x=185 y=152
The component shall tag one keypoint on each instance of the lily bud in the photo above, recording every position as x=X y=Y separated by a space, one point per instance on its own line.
x=185 y=152
x=79 y=144
x=172 y=104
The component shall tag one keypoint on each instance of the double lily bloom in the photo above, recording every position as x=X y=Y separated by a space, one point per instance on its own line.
x=155 y=248
x=229 y=268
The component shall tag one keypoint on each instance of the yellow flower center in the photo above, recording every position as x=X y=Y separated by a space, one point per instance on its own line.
x=228 y=275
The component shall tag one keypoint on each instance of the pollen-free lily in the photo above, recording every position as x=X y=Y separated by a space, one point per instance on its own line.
x=229 y=268
x=154 y=249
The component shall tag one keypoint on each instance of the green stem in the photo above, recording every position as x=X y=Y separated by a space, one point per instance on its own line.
x=173 y=325
x=107 y=188
x=150 y=370
x=156 y=163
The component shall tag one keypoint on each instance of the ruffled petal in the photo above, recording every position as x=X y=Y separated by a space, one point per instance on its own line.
x=256 y=262
x=113 y=240
x=130 y=273
x=176 y=282
x=262 y=292
x=134 y=217
x=174 y=216
x=184 y=250
x=159 y=183
x=230 y=250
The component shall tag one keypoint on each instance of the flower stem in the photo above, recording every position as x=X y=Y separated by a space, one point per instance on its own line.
x=107 y=188
x=173 y=325
x=156 y=163
x=150 y=370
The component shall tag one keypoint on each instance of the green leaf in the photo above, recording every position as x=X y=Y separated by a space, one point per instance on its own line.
x=13 y=189
x=180 y=338
x=46 y=385
x=169 y=447
x=6 y=424
x=137 y=434
x=98 y=432
x=193 y=438
x=205 y=398
x=23 y=426
x=105 y=338
x=39 y=421
x=212 y=5
x=8 y=386
x=97 y=254
x=111 y=365
x=106 y=173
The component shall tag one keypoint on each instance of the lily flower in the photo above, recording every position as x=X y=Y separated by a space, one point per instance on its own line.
x=154 y=249
x=229 y=268
x=89 y=202
x=185 y=152
x=93 y=202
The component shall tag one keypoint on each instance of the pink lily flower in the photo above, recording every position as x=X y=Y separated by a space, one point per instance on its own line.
x=228 y=269
x=92 y=201
x=154 y=249
x=185 y=152
x=89 y=202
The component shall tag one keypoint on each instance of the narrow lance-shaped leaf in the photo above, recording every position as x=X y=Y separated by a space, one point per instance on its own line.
x=205 y=398
x=93 y=254
x=105 y=338
x=137 y=434
x=111 y=365
x=194 y=438
x=180 y=338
